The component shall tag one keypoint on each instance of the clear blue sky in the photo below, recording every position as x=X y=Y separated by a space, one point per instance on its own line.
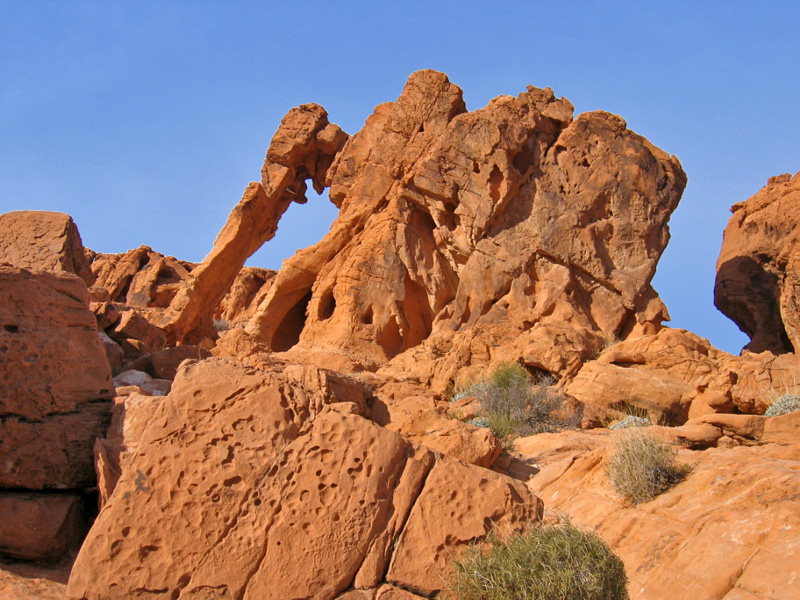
x=146 y=120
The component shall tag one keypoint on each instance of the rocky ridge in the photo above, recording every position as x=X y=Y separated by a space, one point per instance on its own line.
x=321 y=433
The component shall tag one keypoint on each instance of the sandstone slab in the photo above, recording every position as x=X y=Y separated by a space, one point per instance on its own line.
x=243 y=474
x=49 y=241
x=38 y=526
x=55 y=381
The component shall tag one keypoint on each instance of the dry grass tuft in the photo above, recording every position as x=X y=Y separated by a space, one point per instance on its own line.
x=641 y=466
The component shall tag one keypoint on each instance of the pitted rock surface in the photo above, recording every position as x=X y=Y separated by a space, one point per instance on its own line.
x=241 y=475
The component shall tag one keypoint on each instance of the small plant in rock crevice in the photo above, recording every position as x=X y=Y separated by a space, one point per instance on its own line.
x=783 y=405
x=641 y=466
x=514 y=405
x=544 y=563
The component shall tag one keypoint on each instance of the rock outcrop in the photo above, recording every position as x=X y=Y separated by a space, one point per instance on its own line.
x=49 y=241
x=465 y=230
x=676 y=375
x=242 y=474
x=303 y=148
x=729 y=531
x=758 y=270
x=55 y=393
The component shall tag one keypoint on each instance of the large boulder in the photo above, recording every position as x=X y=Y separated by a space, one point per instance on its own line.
x=758 y=270
x=43 y=240
x=266 y=484
x=676 y=375
x=55 y=381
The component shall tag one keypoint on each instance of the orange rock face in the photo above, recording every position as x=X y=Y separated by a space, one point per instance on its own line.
x=242 y=475
x=55 y=381
x=43 y=240
x=675 y=375
x=457 y=229
x=758 y=270
x=728 y=531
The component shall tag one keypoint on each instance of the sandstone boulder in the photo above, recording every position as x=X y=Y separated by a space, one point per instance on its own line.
x=55 y=381
x=38 y=526
x=758 y=270
x=242 y=474
x=676 y=375
x=43 y=240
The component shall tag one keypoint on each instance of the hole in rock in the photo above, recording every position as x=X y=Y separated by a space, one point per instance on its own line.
x=327 y=305
x=288 y=332
x=301 y=226
x=367 y=317
x=11 y=328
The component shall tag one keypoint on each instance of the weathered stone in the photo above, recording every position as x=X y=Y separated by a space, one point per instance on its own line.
x=758 y=270
x=40 y=526
x=727 y=531
x=277 y=476
x=55 y=381
x=455 y=237
x=49 y=241
x=303 y=148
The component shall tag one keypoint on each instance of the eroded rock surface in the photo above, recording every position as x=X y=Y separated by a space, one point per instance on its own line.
x=676 y=375
x=728 y=531
x=243 y=474
x=43 y=240
x=303 y=148
x=460 y=231
x=55 y=381
x=758 y=270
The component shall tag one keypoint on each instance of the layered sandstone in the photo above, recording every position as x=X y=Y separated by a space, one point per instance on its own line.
x=55 y=388
x=758 y=270
x=55 y=392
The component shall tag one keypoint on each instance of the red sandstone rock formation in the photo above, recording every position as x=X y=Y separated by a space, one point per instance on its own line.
x=43 y=240
x=241 y=475
x=303 y=148
x=758 y=271
x=676 y=375
x=55 y=391
x=458 y=230
x=729 y=531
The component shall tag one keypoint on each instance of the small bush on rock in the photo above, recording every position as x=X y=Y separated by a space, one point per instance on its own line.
x=514 y=405
x=544 y=563
x=641 y=466
x=783 y=405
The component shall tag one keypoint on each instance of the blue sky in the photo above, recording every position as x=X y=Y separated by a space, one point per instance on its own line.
x=146 y=120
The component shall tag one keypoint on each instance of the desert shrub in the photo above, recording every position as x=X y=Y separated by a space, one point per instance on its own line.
x=514 y=405
x=784 y=404
x=641 y=466
x=545 y=563
x=221 y=325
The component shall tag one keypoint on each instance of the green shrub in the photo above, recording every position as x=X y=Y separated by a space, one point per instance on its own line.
x=783 y=405
x=545 y=563
x=641 y=466
x=514 y=405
